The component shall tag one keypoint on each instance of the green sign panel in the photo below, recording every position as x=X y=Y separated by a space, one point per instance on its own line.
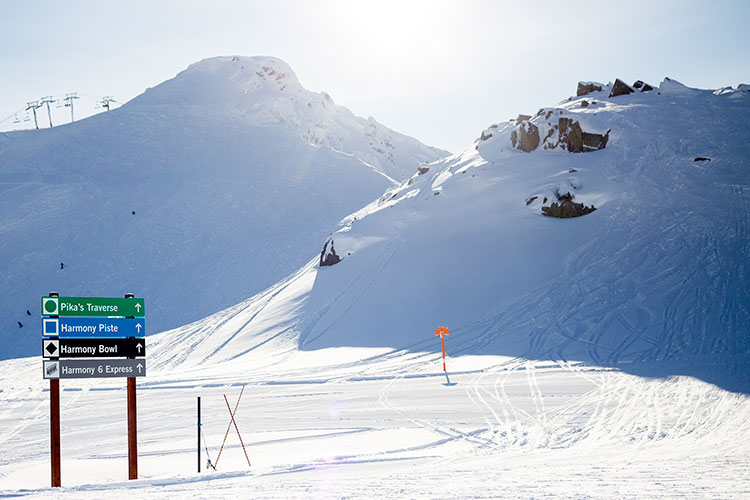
x=92 y=306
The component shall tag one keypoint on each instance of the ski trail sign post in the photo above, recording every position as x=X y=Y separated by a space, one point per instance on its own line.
x=100 y=330
x=442 y=331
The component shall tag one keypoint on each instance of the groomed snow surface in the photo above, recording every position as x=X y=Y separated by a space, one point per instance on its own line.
x=604 y=356
x=368 y=423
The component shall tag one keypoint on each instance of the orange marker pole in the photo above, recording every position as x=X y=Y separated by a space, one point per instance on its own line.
x=442 y=331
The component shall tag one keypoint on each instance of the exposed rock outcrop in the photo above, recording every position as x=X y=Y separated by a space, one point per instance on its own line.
x=595 y=142
x=570 y=135
x=489 y=132
x=566 y=208
x=522 y=118
x=587 y=88
x=643 y=87
x=528 y=139
x=328 y=256
x=566 y=134
x=620 y=88
x=575 y=140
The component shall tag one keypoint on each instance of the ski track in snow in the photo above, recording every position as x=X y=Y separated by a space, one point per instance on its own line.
x=509 y=427
x=567 y=338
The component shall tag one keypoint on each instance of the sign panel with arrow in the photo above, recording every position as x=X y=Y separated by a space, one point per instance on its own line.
x=93 y=306
x=93 y=327
x=94 y=348
x=94 y=368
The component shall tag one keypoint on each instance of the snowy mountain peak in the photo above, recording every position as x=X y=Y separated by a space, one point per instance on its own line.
x=252 y=72
x=264 y=90
x=230 y=82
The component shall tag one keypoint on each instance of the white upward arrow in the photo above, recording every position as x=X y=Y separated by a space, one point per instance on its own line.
x=138 y=326
x=138 y=307
x=140 y=367
x=138 y=346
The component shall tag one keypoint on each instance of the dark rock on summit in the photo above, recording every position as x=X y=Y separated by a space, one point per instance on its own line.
x=643 y=87
x=522 y=118
x=620 y=88
x=586 y=88
x=701 y=158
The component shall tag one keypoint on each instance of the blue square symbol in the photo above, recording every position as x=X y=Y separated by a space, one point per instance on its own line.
x=50 y=327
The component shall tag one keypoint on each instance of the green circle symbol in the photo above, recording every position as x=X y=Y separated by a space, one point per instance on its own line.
x=50 y=306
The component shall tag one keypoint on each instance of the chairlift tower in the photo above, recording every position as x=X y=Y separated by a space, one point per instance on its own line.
x=47 y=100
x=69 y=103
x=33 y=105
x=106 y=100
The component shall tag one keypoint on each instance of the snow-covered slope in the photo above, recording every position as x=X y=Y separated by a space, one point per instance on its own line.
x=655 y=276
x=265 y=90
x=654 y=280
x=183 y=196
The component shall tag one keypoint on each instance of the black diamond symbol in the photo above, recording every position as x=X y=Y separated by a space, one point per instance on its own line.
x=51 y=348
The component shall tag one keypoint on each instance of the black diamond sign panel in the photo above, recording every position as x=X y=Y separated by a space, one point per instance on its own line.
x=50 y=348
x=94 y=348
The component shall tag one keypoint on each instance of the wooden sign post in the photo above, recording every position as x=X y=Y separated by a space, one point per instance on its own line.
x=92 y=327
x=54 y=401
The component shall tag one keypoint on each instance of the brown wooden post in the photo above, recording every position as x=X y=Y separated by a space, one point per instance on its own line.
x=54 y=406
x=132 y=424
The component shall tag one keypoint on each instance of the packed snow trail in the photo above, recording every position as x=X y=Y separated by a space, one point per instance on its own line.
x=315 y=427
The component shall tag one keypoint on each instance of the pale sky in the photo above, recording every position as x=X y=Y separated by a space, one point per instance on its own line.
x=440 y=71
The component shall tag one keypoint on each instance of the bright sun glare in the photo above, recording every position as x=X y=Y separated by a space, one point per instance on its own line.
x=416 y=29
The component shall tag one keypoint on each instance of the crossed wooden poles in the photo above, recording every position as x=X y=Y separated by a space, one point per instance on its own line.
x=232 y=422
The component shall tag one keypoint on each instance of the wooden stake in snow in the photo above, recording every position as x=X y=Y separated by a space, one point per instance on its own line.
x=442 y=331
x=229 y=427
x=231 y=416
